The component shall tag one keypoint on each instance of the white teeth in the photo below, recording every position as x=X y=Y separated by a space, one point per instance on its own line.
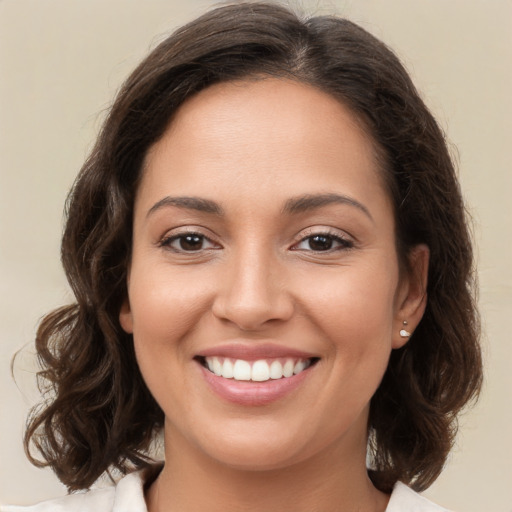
x=276 y=370
x=288 y=368
x=260 y=371
x=241 y=370
x=257 y=371
x=227 y=369
x=299 y=366
x=217 y=366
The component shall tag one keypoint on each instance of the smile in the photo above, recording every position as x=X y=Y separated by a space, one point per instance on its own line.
x=256 y=371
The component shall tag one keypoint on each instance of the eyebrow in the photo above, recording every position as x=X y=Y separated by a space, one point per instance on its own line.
x=189 y=203
x=309 y=202
x=295 y=205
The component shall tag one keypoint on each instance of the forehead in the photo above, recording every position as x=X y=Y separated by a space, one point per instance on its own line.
x=263 y=135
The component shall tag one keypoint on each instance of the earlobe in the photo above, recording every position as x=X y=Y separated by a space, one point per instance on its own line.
x=412 y=298
x=125 y=317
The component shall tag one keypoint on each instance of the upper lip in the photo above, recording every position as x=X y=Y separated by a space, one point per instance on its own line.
x=253 y=350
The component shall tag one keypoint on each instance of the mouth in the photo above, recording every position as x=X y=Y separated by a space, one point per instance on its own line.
x=260 y=370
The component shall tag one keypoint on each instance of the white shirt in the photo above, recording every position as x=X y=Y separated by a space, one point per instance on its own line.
x=128 y=496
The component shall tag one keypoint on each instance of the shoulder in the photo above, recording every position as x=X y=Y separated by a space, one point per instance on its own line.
x=404 y=499
x=100 y=500
x=126 y=496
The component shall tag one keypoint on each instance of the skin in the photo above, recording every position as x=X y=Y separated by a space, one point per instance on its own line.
x=254 y=276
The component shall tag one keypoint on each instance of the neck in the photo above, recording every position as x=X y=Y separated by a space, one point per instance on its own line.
x=331 y=482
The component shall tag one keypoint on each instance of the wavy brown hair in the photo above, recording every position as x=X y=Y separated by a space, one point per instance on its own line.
x=99 y=415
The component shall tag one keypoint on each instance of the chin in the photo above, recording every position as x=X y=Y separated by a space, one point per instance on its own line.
x=252 y=457
x=263 y=445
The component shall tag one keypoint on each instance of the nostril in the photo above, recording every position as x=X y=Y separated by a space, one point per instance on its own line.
x=253 y=315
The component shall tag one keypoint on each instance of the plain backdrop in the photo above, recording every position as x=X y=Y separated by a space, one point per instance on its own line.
x=61 y=62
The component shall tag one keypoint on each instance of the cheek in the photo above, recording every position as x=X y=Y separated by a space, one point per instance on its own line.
x=164 y=306
x=165 y=310
x=355 y=305
x=353 y=311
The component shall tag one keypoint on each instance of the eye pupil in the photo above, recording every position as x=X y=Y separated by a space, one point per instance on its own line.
x=320 y=243
x=191 y=242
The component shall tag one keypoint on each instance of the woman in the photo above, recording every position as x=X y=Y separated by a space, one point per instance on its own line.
x=272 y=267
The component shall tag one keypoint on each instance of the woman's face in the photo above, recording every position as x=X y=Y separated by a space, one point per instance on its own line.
x=264 y=245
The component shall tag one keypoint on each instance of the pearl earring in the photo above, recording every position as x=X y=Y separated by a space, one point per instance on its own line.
x=403 y=332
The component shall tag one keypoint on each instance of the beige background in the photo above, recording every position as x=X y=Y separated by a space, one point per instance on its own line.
x=60 y=64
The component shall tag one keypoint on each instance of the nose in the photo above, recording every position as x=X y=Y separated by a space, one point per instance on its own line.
x=253 y=293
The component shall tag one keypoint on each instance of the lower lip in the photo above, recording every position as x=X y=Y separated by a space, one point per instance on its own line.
x=253 y=393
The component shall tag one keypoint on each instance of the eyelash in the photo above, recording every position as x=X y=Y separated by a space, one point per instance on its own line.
x=166 y=242
x=343 y=243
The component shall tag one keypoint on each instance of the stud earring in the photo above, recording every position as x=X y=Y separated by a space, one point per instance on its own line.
x=403 y=332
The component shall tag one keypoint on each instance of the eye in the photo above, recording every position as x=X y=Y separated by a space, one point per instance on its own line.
x=323 y=242
x=188 y=242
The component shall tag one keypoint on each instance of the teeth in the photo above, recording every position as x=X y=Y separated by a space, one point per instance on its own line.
x=241 y=370
x=217 y=366
x=227 y=369
x=299 y=366
x=258 y=371
x=276 y=370
x=288 y=368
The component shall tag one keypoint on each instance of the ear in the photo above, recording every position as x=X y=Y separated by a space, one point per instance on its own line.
x=125 y=316
x=411 y=298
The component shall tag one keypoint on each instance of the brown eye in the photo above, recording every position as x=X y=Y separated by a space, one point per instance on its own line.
x=188 y=242
x=320 y=243
x=323 y=242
